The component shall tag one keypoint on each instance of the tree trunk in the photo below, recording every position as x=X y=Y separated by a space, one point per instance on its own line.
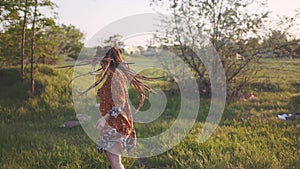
x=23 y=41
x=32 y=49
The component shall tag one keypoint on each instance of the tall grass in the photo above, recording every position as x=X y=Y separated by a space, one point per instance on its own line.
x=249 y=135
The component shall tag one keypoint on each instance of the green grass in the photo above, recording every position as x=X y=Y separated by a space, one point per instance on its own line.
x=248 y=136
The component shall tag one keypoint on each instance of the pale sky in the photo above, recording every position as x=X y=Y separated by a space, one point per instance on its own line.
x=92 y=15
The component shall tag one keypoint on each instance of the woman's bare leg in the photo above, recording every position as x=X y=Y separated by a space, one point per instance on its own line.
x=114 y=157
x=114 y=160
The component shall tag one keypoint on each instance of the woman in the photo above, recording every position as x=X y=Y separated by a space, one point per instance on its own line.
x=115 y=125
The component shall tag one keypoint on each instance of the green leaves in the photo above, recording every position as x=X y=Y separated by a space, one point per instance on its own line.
x=228 y=24
x=52 y=40
x=114 y=40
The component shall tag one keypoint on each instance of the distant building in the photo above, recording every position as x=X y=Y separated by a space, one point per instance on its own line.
x=151 y=51
x=131 y=50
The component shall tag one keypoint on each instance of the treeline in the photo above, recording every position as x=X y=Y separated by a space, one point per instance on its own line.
x=279 y=44
x=51 y=40
x=30 y=36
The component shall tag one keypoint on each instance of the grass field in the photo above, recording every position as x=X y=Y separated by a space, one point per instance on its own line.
x=249 y=135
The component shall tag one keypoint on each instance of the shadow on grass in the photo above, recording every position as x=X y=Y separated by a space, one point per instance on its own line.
x=11 y=85
x=265 y=87
x=294 y=104
x=13 y=89
x=296 y=86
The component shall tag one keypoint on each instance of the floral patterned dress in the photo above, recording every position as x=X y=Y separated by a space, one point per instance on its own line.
x=114 y=92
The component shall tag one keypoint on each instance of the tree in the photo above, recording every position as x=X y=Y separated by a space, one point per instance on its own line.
x=282 y=40
x=231 y=30
x=24 y=25
x=114 y=40
x=21 y=12
x=9 y=12
x=52 y=40
x=56 y=41
x=280 y=44
x=10 y=45
x=73 y=44
x=276 y=43
x=32 y=47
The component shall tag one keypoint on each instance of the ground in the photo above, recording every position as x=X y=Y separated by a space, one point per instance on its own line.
x=249 y=135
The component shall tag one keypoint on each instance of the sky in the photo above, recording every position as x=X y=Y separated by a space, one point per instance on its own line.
x=92 y=15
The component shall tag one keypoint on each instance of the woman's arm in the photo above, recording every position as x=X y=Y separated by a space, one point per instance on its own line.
x=114 y=112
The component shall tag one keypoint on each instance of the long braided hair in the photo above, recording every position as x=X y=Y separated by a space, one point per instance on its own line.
x=112 y=61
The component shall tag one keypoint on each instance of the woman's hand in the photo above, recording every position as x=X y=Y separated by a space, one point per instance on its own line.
x=100 y=123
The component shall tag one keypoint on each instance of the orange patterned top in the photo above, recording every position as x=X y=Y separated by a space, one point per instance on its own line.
x=114 y=92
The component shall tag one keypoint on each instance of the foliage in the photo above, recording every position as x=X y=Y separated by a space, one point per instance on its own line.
x=280 y=44
x=55 y=41
x=114 y=40
x=72 y=44
x=13 y=11
x=10 y=45
x=231 y=30
x=52 y=40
